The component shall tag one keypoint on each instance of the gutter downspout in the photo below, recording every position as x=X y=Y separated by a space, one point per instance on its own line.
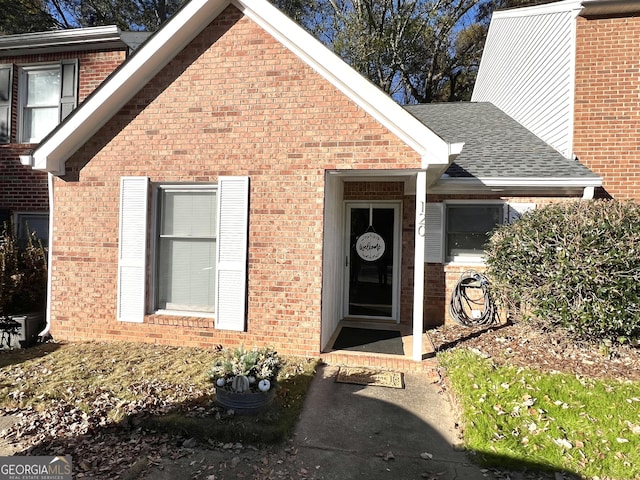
x=44 y=333
x=588 y=193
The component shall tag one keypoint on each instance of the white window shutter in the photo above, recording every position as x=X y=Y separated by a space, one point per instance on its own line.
x=233 y=223
x=6 y=72
x=434 y=235
x=516 y=210
x=132 y=249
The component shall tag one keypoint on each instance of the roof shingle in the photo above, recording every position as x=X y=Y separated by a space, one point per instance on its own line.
x=495 y=145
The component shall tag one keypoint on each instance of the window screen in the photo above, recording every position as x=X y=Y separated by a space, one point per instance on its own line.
x=186 y=263
x=468 y=228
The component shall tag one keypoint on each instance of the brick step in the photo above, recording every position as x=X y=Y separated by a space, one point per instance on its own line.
x=379 y=361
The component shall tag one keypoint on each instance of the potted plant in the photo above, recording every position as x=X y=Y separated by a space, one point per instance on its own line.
x=23 y=288
x=245 y=380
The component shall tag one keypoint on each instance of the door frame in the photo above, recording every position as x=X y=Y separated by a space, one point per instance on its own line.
x=396 y=205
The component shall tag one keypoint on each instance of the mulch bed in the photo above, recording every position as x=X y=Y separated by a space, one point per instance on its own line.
x=526 y=345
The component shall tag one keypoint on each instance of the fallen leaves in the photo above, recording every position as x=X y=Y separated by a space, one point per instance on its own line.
x=563 y=442
x=545 y=403
x=635 y=429
x=522 y=345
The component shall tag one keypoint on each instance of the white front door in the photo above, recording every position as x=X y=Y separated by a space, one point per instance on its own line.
x=372 y=266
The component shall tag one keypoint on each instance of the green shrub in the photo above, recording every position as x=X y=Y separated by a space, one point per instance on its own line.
x=574 y=264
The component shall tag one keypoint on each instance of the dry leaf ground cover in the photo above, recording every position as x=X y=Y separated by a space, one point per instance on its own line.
x=118 y=405
x=539 y=398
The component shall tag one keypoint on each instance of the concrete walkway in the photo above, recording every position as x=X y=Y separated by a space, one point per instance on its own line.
x=347 y=432
x=351 y=431
x=6 y=421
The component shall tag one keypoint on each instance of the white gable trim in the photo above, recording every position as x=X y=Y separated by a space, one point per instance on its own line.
x=545 y=9
x=584 y=7
x=176 y=34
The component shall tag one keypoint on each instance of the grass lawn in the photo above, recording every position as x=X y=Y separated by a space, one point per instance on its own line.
x=521 y=416
x=104 y=385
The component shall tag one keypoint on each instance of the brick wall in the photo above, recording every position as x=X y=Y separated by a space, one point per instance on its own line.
x=234 y=102
x=94 y=67
x=607 y=102
x=22 y=188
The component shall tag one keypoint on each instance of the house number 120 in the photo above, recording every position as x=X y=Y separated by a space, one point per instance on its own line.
x=422 y=220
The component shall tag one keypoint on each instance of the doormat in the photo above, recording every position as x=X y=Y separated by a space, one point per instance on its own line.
x=376 y=378
x=369 y=340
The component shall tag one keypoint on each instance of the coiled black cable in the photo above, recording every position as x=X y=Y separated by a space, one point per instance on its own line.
x=472 y=309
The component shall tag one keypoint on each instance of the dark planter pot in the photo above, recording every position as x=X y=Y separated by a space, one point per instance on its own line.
x=245 y=403
x=21 y=331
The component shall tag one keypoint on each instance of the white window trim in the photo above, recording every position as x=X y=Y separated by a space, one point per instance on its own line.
x=23 y=69
x=467 y=259
x=182 y=313
x=22 y=96
x=511 y=210
x=155 y=225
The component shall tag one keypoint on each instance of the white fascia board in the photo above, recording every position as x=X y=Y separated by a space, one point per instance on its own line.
x=488 y=182
x=112 y=95
x=431 y=148
x=25 y=41
x=542 y=182
x=359 y=175
x=545 y=9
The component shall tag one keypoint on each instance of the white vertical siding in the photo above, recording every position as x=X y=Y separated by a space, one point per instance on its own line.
x=527 y=70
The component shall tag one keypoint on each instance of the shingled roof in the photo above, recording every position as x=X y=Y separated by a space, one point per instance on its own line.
x=495 y=145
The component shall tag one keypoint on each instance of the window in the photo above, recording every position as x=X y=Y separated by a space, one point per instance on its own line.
x=199 y=245
x=37 y=223
x=468 y=227
x=5 y=102
x=457 y=231
x=47 y=96
x=186 y=249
